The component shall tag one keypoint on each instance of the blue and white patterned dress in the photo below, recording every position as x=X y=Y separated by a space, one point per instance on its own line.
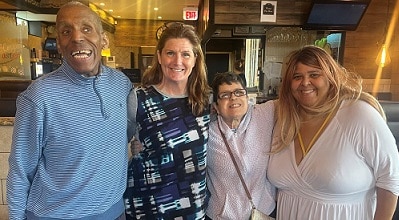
x=167 y=179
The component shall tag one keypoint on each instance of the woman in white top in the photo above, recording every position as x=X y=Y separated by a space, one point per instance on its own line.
x=248 y=130
x=334 y=155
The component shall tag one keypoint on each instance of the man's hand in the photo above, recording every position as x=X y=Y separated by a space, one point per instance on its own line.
x=135 y=147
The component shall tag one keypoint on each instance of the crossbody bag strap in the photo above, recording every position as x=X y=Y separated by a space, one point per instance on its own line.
x=236 y=166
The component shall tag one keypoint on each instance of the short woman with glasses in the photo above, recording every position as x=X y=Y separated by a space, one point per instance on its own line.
x=247 y=130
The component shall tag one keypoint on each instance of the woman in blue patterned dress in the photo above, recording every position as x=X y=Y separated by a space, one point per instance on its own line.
x=169 y=115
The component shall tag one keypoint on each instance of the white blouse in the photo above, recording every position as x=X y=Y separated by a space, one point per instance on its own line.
x=337 y=179
x=250 y=144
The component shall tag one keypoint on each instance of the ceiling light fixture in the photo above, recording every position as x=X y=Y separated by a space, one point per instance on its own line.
x=383 y=57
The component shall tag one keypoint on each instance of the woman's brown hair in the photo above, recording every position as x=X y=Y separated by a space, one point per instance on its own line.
x=197 y=85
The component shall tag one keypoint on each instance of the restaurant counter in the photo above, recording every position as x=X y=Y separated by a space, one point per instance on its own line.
x=9 y=91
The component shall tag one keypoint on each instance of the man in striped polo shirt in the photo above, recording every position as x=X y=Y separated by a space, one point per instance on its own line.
x=69 y=150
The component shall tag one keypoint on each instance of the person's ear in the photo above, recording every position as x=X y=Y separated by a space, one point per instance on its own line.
x=58 y=46
x=159 y=57
x=215 y=107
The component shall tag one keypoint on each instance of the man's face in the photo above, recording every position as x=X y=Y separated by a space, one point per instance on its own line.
x=80 y=39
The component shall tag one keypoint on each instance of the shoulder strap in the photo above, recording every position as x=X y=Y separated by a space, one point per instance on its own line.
x=236 y=166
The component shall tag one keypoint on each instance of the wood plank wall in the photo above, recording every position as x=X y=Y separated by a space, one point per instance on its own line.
x=362 y=45
x=136 y=33
x=132 y=33
x=289 y=12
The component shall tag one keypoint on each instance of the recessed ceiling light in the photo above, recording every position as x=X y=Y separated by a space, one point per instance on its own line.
x=102 y=4
x=159 y=17
x=155 y=9
x=111 y=10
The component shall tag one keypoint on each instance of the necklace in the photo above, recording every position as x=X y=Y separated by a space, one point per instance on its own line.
x=305 y=151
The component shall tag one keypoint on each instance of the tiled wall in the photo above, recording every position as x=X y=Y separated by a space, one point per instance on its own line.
x=122 y=54
x=384 y=85
x=384 y=89
x=5 y=145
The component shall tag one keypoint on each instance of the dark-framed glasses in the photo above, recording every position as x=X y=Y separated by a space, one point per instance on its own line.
x=237 y=93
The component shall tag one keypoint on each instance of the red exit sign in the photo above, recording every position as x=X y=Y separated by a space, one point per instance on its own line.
x=190 y=13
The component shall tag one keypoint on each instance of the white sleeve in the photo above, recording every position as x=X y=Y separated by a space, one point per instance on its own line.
x=131 y=114
x=380 y=150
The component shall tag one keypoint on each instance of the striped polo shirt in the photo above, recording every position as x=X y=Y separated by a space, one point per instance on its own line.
x=69 y=150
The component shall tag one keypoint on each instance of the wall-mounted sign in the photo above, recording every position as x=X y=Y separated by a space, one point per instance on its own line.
x=190 y=13
x=268 y=11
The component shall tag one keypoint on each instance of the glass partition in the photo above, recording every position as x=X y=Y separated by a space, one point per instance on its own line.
x=280 y=41
x=14 y=52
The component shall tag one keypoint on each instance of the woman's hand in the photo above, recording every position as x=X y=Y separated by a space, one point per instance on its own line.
x=135 y=147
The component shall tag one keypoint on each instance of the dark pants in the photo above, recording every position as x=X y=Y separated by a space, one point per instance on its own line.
x=121 y=217
x=274 y=213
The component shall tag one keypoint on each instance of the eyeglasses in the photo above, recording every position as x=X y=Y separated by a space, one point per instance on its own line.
x=237 y=93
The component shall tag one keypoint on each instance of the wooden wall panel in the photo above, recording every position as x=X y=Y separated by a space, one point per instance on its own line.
x=130 y=33
x=136 y=33
x=395 y=68
x=6 y=6
x=248 y=12
x=362 y=46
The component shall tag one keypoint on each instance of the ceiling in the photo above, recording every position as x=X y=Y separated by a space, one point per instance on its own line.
x=128 y=9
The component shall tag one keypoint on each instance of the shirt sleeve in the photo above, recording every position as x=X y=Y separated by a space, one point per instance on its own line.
x=131 y=114
x=380 y=150
x=24 y=157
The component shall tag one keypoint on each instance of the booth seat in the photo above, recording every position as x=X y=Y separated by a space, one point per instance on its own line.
x=391 y=109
